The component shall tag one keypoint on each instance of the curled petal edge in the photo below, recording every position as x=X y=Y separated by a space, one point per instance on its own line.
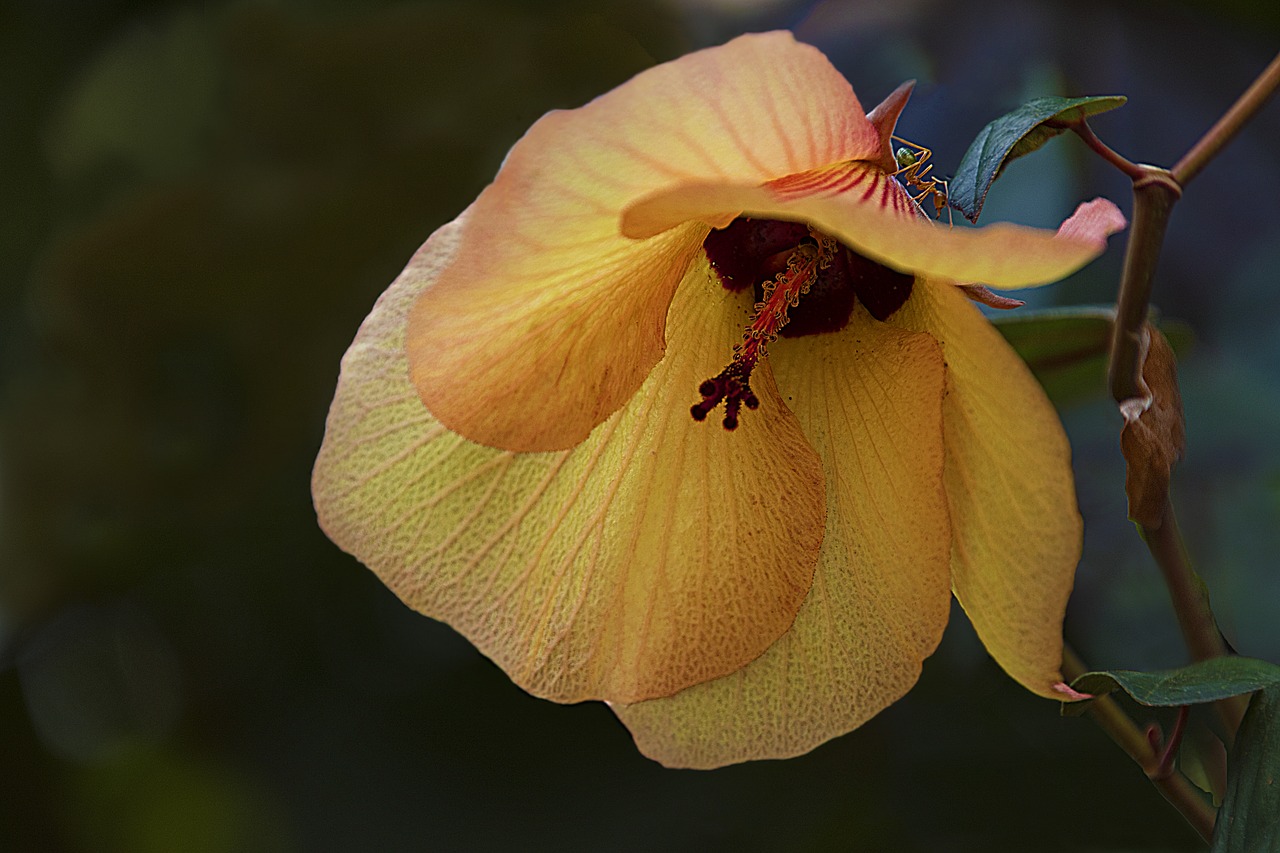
x=1004 y=256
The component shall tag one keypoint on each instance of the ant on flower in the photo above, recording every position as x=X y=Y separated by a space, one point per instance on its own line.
x=911 y=159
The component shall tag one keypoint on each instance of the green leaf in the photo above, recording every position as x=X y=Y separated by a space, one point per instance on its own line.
x=1067 y=348
x=1203 y=760
x=1206 y=681
x=1011 y=136
x=1250 y=817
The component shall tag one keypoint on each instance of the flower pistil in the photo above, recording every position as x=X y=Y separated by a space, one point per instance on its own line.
x=784 y=261
x=803 y=263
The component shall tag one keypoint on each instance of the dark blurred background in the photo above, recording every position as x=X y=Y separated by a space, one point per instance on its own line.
x=199 y=204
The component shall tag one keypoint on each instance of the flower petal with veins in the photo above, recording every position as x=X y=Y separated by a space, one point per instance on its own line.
x=549 y=318
x=870 y=400
x=1016 y=530
x=655 y=555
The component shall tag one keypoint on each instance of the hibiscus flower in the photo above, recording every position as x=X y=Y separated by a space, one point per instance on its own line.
x=523 y=444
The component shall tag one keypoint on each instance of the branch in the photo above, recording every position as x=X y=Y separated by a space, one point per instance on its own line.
x=1154 y=195
x=1226 y=128
x=1190 y=600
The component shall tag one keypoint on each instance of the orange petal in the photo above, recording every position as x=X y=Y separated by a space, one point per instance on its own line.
x=657 y=554
x=859 y=204
x=548 y=319
x=870 y=401
x=1009 y=482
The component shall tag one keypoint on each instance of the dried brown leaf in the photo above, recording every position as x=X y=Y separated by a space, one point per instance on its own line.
x=1153 y=437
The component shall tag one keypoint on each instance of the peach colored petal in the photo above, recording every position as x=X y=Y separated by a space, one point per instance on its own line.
x=864 y=208
x=870 y=401
x=1010 y=486
x=539 y=371
x=657 y=554
x=1092 y=223
x=548 y=318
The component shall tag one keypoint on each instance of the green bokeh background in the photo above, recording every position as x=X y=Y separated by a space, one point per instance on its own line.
x=201 y=201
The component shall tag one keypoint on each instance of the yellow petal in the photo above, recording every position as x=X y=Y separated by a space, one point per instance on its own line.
x=1017 y=531
x=548 y=319
x=659 y=553
x=870 y=401
x=864 y=208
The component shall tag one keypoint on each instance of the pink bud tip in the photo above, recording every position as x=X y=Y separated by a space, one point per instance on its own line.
x=1070 y=695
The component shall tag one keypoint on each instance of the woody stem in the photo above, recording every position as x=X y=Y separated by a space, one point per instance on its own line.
x=1154 y=194
x=1082 y=129
x=1226 y=127
x=1155 y=191
x=1190 y=599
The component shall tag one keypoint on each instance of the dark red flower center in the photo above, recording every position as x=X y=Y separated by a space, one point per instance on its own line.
x=804 y=282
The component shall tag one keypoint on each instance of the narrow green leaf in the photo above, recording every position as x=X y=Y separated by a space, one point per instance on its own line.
x=1206 y=681
x=1047 y=336
x=1250 y=817
x=1066 y=348
x=1011 y=136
